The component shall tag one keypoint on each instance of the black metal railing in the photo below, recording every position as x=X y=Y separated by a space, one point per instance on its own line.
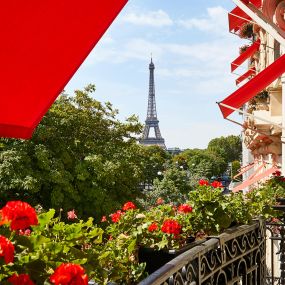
x=234 y=257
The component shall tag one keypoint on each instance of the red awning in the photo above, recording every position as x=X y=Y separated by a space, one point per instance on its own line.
x=255 y=85
x=238 y=17
x=245 y=55
x=256 y=178
x=246 y=75
x=43 y=43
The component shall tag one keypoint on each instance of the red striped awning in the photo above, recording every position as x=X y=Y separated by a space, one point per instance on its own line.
x=246 y=75
x=254 y=86
x=245 y=55
x=43 y=43
x=238 y=17
x=255 y=178
x=244 y=169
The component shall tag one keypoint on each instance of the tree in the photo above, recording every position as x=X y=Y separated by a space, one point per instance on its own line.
x=230 y=148
x=80 y=157
x=172 y=188
x=202 y=163
x=154 y=160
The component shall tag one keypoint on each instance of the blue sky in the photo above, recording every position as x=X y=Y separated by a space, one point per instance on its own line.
x=192 y=50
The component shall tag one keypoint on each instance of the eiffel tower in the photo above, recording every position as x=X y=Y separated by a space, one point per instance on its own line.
x=151 y=119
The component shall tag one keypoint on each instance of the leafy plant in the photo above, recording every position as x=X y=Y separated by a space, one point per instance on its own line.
x=246 y=31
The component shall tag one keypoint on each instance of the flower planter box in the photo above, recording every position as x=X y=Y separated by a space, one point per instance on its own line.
x=155 y=259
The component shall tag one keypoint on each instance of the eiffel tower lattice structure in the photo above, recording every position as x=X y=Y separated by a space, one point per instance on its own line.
x=151 y=119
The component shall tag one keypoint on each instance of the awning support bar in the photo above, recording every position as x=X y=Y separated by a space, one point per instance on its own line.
x=252 y=116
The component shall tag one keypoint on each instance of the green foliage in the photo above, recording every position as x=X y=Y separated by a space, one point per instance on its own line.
x=154 y=160
x=215 y=211
x=80 y=157
x=264 y=197
x=229 y=148
x=203 y=163
x=173 y=187
x=235 y=166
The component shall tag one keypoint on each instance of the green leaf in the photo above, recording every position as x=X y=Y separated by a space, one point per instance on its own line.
x=44 y=219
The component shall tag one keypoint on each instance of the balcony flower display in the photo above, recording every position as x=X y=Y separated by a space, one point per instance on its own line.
x=246 y=31
x=82 y=251
x=243 y=48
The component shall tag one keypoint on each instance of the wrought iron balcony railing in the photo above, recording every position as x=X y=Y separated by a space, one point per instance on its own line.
x=234 y=257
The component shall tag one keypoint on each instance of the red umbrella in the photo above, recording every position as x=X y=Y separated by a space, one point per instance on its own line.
x=43 y=43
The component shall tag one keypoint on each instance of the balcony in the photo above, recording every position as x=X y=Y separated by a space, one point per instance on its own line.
x=236 y=256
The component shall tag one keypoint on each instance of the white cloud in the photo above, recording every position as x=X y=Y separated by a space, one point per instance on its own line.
x=216 y=21
x=152 y=18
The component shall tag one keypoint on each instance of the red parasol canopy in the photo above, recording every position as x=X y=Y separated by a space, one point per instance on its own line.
x=43 y=43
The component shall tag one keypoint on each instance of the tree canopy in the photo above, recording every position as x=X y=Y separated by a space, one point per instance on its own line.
x=81 y=156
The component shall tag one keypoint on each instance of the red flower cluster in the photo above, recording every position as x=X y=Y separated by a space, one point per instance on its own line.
x=185 y=208
x=20 y=214
x=6 y=249
x=129 y=206
x=22 y=279
x=69 y=274
x=203 y=182
x=153 y=227
x=115 y=217
x=217 y=184
x=171 y=227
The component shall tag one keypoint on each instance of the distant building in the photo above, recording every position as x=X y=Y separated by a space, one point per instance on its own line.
x=174 y=150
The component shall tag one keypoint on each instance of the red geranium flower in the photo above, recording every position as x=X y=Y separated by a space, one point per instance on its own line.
x=71 y=215
x=69 y=274
x=22 y=279
x=153 y=227
x=129 y=206
x=20 y=214
x=203 y=182
x=6 y=249
x=104 y=219
x=185 y=208
x=171 y=227
x=115 y=217
x=217 y=184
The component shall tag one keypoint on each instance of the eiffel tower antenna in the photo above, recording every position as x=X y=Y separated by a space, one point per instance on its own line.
x=151 y=118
